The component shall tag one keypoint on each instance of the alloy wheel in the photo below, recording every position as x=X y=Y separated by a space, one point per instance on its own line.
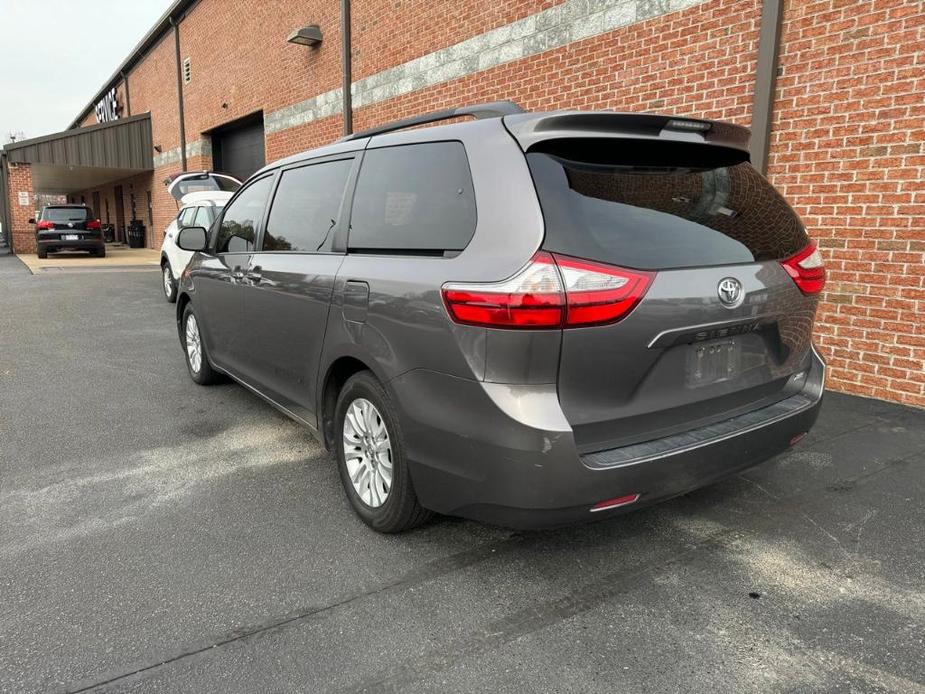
x=193 y=343
x=168 y=282
x=367 y=452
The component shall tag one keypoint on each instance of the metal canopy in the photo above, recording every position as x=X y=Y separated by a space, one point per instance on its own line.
x=82 y=158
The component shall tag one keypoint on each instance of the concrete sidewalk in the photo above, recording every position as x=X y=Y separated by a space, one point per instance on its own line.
x=117 y=256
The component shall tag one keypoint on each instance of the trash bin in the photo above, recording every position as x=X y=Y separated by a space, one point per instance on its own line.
x=109 y=233
x=136 y=234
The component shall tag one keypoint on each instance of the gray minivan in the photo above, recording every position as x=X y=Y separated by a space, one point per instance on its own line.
x=524 y=318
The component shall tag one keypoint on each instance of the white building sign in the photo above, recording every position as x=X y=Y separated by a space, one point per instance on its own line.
x=24 y=199
x=107 y=109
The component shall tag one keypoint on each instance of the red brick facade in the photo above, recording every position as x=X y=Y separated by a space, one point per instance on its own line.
x=20 y=183
x=847 y=141
x=848 y=151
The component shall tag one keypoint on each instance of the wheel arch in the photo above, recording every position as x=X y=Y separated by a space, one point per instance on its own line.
x=335 y=376
x=182 y=300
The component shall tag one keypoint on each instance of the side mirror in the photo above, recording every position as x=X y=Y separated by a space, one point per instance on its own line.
x=192 y=239
x=31 y=220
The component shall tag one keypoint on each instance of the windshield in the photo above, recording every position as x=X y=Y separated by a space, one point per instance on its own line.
x=65 y=214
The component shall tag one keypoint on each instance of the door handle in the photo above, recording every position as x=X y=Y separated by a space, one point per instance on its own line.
x=255 y=274
x=237 y=273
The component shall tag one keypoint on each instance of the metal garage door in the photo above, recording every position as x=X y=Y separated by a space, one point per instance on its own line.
x=238 y=148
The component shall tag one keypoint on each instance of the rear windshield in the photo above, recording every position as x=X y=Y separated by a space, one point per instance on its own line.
x=65 y=214
x=657 y=212
x=205 y=182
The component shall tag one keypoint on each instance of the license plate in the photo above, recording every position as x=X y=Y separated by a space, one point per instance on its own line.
x=71 y=237
x=712 y=362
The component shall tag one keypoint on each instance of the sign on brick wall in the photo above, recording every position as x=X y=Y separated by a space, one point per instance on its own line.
x=107 y=109
x=24 y=198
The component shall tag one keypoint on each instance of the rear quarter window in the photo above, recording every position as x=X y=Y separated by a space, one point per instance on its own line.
x=657 y=215
x=413 y=199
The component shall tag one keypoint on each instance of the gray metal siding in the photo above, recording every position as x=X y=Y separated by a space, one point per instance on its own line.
x=124 y=144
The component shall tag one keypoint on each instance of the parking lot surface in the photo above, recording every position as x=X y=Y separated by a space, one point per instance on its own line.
x=160 y=536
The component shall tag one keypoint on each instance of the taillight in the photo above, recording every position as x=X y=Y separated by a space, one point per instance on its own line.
x=94 y=225
x=530 y=299
x=44 y=226
x=552 y=291
x=597 y=294
x=807 y=269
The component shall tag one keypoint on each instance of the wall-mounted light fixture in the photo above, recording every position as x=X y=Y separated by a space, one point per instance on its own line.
x=306 y=36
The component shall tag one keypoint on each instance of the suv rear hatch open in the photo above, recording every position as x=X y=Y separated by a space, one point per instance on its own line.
x=181 y=184
x=725 y=324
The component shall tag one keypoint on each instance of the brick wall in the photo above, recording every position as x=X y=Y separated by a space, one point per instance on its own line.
x=847 y=151
x=22 y=236
x=847 y=135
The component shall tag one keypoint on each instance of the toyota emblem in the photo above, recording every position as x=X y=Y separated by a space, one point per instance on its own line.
x=730 y=292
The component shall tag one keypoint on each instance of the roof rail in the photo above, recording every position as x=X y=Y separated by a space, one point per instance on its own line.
x=494 y=109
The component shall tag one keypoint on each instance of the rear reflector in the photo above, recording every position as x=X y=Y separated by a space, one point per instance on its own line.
x=615 y=503
x=551 y=291
x=807 y=269
x=796 y=439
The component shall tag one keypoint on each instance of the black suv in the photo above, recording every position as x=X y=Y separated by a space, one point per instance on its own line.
x=68 y=228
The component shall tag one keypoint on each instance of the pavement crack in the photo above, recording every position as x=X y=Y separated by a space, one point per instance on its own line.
x=527 y=621
x=423 y=574
x=805 y=516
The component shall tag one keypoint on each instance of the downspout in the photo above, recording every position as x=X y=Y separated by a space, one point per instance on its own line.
x=772 y=13
x=347 y=66
x=176 y=36
x=7 y=237
x=128 y=99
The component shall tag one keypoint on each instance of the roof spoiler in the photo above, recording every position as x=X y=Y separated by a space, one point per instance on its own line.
x=531 y=128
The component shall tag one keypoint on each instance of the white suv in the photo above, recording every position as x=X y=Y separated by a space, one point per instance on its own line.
x=202 y=195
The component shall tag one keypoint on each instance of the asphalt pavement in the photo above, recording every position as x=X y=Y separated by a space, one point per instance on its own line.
x=156 y=535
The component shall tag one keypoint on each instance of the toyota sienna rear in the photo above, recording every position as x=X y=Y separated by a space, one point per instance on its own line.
x=527 y=319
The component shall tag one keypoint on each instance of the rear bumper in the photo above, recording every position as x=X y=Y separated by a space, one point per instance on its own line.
x=504 y=455
x=61 y=245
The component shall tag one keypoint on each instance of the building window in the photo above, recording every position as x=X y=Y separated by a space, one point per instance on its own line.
x=150 y=209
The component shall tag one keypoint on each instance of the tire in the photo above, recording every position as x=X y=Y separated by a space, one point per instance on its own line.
x=168 y=283
x=100 y=253
x=42 y=253
x=400 y=509
x=200 y=370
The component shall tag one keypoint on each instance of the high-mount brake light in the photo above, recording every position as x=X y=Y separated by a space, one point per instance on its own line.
x=807 y=269
x=551 y=291
x=697 y=126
